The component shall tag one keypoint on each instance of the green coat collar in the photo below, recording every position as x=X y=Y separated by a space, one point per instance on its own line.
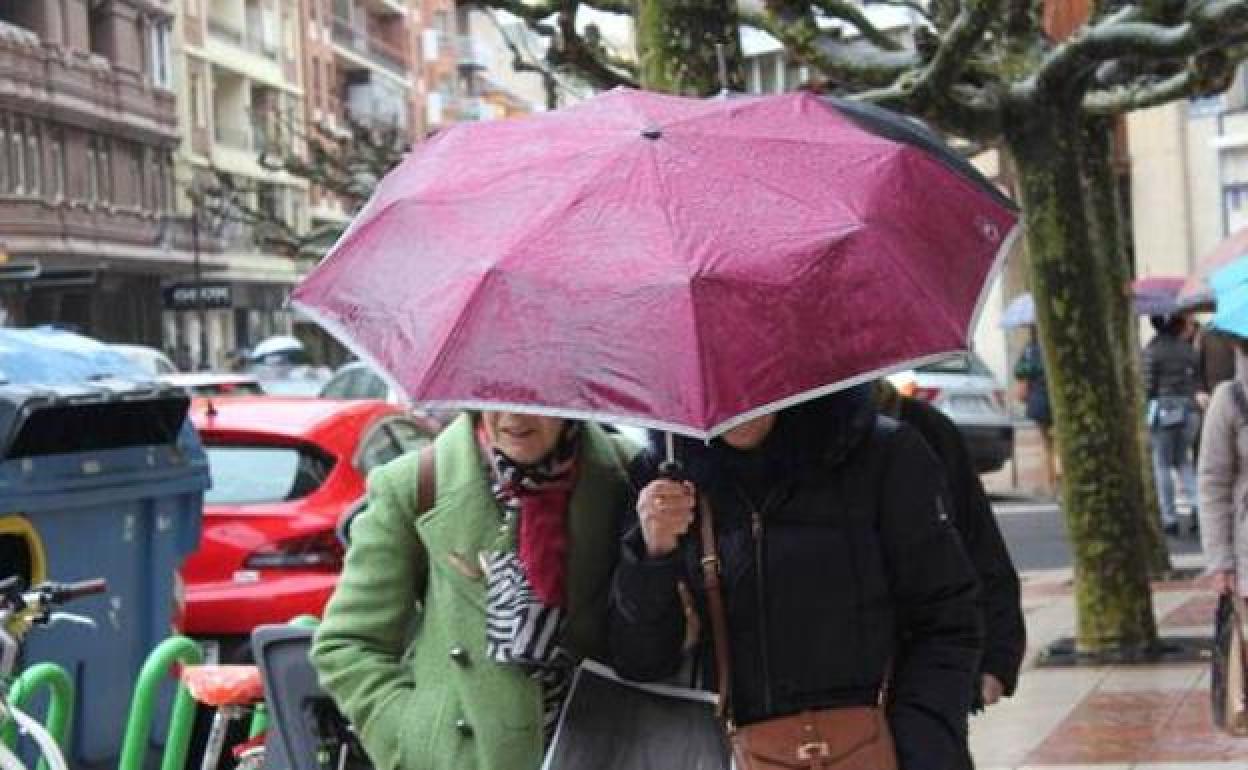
x=465 y=521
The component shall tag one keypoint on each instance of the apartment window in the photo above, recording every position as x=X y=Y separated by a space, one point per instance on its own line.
x=197 y=101
x=93 y=170
x=34 y=158
x=17 y=156
x=159 y=57
x=153 y=181
x=56 y=163
x=138 y=191
x=5 y=166
x=103 y=157
x=316 y=83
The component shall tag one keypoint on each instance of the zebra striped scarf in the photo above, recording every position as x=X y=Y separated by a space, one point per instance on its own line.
x=521 y=629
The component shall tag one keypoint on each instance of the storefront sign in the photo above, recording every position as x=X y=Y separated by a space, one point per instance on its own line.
x=184 y=296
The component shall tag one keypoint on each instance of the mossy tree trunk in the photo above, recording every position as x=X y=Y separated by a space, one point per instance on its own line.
x=676 y=42
x=1100 y=488
x=1105 y=221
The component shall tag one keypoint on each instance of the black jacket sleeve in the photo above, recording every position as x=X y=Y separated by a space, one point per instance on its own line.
x=1005 y=633
x=935 y=593
x=645 y=617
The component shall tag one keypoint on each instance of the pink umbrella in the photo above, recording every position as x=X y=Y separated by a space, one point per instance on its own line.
x=674 y=263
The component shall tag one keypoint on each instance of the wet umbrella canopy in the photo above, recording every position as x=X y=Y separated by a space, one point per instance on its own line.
x=682 y=264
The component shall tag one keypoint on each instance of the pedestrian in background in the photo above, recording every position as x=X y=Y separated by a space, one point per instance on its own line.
x=841 y=574
x=1224 y=480
x=1170 y=367
x=1000 y=600
x=1033 y=391
x=452 y=635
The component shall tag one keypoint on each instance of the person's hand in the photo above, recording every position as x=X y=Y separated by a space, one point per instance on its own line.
x=991 y=690
x=665 y=509
x=1202 y=400
x=1223 y=581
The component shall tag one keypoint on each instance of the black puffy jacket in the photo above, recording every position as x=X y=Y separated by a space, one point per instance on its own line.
x=1170 y=367
x=862 y=570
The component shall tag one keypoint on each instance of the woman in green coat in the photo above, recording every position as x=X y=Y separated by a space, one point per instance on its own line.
x=451 y=637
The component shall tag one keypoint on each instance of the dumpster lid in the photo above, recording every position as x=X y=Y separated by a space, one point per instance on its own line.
x=61 y=392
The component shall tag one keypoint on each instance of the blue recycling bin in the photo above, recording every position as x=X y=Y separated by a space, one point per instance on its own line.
x=101 y=475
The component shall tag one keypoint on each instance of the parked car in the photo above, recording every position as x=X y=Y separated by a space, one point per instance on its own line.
x=151 y=360
x=215 y=384
x=965 y=389
x=359 y=380
x=283 y=472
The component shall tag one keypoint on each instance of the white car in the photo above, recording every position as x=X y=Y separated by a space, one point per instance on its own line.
x=966 y=390
x=151 y=360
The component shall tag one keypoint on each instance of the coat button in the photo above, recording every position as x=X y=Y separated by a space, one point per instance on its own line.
x=459 y=655
x=463 y=727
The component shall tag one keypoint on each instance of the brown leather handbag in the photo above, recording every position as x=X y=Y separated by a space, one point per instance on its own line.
x=856 y=738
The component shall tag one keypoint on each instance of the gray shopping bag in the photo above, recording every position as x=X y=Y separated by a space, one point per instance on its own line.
x=609 y=723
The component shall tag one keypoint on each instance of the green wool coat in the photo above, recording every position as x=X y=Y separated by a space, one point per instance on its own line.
x=402 y=645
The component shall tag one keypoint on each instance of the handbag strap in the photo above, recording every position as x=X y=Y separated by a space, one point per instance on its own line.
x=715 y=607
x=426 y=481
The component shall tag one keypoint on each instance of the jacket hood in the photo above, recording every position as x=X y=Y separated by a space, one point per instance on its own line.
x=810 y=436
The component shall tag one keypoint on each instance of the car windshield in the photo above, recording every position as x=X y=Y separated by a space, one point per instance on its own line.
x=959 y=364
x=251 y=474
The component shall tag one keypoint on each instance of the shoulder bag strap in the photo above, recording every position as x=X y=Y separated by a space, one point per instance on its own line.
x=427 y=481
x=715 y=606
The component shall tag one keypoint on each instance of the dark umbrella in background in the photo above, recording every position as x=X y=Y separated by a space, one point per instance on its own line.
x=1157 y=294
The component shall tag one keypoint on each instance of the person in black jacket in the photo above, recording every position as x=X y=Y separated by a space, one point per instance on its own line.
x=861 y=574
x=1005 y=632
x=1170 y=368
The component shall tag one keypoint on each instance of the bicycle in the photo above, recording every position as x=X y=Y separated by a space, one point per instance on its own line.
x=20 y=612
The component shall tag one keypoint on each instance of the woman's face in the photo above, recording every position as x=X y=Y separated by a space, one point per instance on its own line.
x=525 y=438
x=750 y=434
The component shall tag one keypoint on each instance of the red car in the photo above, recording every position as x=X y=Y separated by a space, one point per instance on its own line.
x=284 y=470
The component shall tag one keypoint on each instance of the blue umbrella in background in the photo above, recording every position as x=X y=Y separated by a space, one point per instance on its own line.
x=1230 y=291
x=1020 y=312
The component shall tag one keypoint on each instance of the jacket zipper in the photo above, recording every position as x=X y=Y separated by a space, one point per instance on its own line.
x=758 y=536
x=756 y=529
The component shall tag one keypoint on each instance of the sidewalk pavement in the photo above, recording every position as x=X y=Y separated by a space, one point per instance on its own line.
x=1114 y=717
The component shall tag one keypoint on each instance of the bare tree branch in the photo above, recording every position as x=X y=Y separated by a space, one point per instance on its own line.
x=1208 y=74
x=853 y=15
x=843 y=61
x=1127 y=32
x=957 y=44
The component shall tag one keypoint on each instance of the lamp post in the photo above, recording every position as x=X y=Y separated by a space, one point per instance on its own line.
x=200 y=309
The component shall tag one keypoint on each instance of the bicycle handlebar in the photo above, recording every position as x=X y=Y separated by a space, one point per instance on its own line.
x=67 y=592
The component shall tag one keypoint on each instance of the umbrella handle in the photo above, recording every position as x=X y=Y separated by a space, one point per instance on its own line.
x=671 y=468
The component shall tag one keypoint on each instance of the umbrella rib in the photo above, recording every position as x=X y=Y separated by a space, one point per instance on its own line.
x=536 y=226
x=692 y=281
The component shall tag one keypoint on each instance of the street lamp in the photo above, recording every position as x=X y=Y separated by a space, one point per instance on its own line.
x=200 y=309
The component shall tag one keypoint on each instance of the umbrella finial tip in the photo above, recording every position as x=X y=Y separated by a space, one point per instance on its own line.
x=652 y=132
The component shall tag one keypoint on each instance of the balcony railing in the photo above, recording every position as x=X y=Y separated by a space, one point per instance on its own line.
x=358 y=41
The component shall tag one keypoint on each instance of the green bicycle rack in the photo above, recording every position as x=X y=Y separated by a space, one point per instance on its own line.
x=60 y=702
x=176 y=649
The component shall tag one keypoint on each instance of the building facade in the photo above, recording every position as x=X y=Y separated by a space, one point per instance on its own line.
x=88 y=127
x=240 y=94
x=1189 y=189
